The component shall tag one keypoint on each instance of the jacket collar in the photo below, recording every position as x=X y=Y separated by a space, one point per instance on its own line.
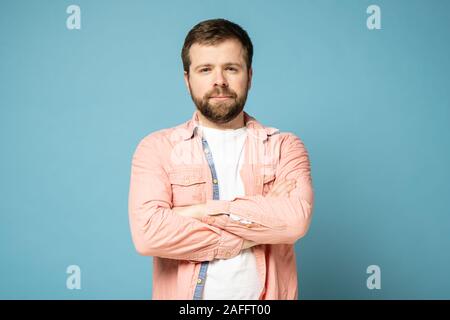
x=256 y=128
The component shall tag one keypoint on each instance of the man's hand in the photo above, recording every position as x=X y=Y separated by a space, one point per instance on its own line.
x=196 y=211
x=248 y=244
x=282 y=189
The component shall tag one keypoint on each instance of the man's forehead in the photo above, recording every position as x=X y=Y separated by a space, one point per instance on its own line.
x=226 y=50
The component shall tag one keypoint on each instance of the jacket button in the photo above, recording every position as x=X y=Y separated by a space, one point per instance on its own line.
x=199 y=281
x=215 y=181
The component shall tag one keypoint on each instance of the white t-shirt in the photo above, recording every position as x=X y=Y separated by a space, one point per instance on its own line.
x=235 y=278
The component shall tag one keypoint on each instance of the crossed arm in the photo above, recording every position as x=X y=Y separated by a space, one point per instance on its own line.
x=205 y=232
x=199 y=211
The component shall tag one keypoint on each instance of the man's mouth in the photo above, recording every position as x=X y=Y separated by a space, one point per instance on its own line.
x=220 y=97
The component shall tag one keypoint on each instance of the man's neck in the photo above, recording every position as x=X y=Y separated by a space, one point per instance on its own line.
x=236 y=123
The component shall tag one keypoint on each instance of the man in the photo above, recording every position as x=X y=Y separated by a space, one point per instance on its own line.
x=220 y=200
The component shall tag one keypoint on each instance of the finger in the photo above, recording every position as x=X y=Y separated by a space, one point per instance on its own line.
x=280 y=185
x=283 y=188
x=275 y=189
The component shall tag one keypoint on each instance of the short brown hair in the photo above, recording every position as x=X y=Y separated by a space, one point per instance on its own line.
x=214 y=31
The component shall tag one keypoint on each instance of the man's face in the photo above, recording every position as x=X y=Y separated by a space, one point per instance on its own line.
x=218 y=80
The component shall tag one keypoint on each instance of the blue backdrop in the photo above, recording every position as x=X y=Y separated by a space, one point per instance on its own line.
x=372 y=107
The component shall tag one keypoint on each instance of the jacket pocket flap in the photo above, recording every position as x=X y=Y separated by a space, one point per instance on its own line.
x=186 y=177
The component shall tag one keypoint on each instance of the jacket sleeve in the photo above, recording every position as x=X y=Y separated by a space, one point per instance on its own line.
x=275 y=220
x=156 y=230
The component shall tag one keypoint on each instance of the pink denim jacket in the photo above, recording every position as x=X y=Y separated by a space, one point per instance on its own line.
x=169 y=169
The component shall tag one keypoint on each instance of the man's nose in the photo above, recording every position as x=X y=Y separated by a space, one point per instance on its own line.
x=220 y=80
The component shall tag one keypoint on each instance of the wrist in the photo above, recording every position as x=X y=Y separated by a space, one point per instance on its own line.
x=200 y=211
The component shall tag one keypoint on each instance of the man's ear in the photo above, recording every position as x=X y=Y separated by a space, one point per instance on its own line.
x=186 y=81
x=250 y=76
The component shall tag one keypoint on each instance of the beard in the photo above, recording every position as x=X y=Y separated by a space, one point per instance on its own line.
x=220 y=112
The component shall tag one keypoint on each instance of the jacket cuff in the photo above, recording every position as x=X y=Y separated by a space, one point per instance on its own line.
x=215 y=207
x=230 y=246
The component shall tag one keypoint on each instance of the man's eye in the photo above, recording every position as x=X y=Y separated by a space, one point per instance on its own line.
x=203 y=70
x=232 y=69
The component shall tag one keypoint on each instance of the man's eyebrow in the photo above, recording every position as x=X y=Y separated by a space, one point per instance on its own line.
x=203 y=65
x=233 y=64
x=237 y=64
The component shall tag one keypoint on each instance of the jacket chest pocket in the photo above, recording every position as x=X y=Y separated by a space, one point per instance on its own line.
x=188 y=186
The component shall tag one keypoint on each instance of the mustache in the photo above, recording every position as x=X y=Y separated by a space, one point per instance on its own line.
x=220 y=92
